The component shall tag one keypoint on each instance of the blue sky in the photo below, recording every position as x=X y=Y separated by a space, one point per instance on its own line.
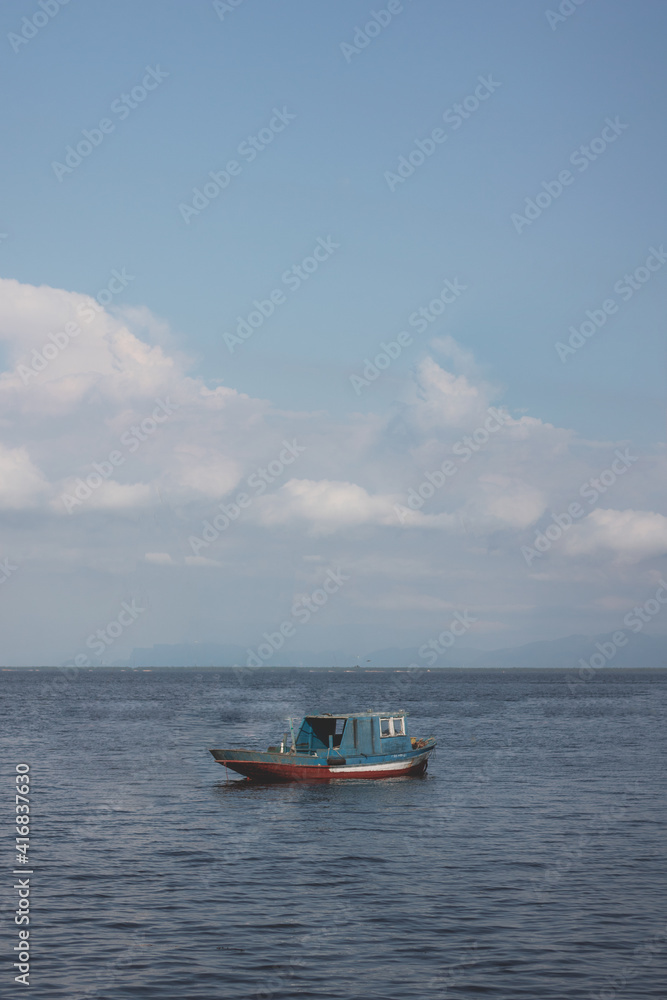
x=322 y=177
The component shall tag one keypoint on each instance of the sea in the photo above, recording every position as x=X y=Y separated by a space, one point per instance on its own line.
x=529 y=861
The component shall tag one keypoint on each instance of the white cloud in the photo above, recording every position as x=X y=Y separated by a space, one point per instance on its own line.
x=446 y=399
x=22 y=484
x=196 y=469
x=514 y=502
x=159 y=558
x=110 y=496
x=450 y=350
x=326 y=505
x=629 y=535
x=461 y=548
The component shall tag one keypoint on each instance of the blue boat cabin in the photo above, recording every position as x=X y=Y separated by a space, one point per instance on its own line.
x=364 y=734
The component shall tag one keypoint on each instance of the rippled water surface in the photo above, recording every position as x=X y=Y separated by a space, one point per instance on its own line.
x=528 y=862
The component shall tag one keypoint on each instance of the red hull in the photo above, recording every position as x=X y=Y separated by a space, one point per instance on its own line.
x=261 y=771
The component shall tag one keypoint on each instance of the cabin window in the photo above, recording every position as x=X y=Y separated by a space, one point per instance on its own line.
x=316 y=730
x=392 y=727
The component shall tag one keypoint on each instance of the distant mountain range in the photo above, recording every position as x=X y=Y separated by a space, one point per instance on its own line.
x=641 y=651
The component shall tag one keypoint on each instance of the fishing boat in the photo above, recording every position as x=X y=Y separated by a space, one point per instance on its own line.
x=331 y=746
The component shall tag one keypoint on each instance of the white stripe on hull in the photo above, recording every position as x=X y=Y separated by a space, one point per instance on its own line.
x=392 y=765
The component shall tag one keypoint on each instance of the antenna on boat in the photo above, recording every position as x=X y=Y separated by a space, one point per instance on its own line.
x=291 y=729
